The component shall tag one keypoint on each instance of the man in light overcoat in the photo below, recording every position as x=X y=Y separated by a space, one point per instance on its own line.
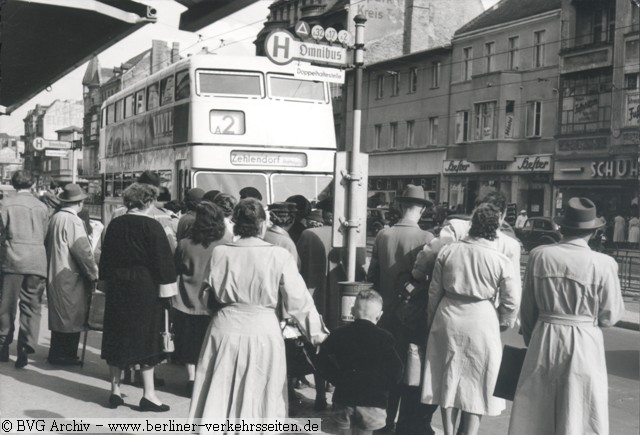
x=72 y=272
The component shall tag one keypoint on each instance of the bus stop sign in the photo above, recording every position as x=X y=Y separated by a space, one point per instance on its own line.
x=281 y=48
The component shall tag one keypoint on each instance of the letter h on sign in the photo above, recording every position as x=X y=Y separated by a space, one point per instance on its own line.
x=277 y=46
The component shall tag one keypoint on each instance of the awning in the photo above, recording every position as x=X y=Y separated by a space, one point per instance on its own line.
x=201 y=13
x=43 y=40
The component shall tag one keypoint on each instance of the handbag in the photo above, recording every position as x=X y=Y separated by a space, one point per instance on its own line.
x=298 y=351
x=95 y=320
x=509 y=374
x=413 y=368
x=167 y=335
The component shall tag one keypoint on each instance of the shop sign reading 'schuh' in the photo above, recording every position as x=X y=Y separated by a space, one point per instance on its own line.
x=615 y=168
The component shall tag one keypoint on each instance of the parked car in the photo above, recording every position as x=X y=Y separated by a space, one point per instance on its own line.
x=377 y=219
x=538 y=231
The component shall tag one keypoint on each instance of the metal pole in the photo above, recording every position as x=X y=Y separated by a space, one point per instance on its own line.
x=355 y=149
x=74 y=169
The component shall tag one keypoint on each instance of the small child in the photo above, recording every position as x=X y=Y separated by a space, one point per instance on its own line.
x=361 y=361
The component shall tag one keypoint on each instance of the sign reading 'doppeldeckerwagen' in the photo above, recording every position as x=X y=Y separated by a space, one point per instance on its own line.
x=281 y=48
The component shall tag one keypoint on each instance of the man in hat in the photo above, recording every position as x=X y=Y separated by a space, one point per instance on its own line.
x=72 y=272
x=322 y=268
x=168 y=219
x=569 y=292
x=394 y=253
x=250 y=192
x=191 y=200
x=24 y=268
x=521 y=219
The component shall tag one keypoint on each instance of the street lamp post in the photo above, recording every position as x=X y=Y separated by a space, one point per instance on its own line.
x=355 y=149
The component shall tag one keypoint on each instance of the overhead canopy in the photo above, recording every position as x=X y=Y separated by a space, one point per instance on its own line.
x=43 y=40
x=201 y=13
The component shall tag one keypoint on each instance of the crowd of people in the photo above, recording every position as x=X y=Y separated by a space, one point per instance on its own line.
x=230 y=273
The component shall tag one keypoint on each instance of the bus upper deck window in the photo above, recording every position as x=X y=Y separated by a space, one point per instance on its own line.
x=118 y=111
x=166 y=90
x=153 y=98
x=230 y=84
x=140 y=106
x=183 y=85
x=111 y=114
x=289 y=88
x=128 y=106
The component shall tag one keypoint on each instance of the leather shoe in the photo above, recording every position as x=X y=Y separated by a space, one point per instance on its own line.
x=148 y=405
x=22 y=359
x=188 y=391
x=4 y=354
x=320 y=404
x=115 y=401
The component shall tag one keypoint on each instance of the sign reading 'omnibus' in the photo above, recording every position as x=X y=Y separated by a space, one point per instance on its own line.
x=281 y=48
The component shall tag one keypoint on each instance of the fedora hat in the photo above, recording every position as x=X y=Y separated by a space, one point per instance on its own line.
x=72 y=193
x=415 y=194
x=580 y=214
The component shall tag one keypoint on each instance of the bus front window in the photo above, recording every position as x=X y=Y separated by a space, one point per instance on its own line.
x=307 y=185
x=232 y=182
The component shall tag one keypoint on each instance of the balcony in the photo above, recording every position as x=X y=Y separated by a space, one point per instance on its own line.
x=586 y=57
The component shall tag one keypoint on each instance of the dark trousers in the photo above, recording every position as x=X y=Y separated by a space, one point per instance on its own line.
x=415 y=416
x=64 y=345
x=26 y=292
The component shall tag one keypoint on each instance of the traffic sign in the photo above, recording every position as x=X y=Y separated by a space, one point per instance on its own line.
x=330 y=34
x=306 y=71
x=56 y=153
x=39 y=143
x=281 y=48
x=302 y=29
x=344 y=37
x=317 y=32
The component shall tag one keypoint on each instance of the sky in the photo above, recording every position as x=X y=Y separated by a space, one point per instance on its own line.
x=232 y=36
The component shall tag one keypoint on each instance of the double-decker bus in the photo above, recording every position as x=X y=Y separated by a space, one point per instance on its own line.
x=223 y=123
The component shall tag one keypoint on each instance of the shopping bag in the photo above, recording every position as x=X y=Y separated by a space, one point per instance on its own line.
x=413 y=369
x=509 y=374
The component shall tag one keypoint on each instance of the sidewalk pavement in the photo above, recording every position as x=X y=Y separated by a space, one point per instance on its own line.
x=44 y=391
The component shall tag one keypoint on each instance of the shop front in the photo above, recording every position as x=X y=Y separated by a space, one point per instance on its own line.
x=390 y=172
x=525 y=182
x=611 y=182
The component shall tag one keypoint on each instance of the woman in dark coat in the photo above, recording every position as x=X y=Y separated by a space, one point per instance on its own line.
x=138 y=268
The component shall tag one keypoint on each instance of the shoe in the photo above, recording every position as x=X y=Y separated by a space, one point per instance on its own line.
x=22 y=359
x=115 y=401
x=4 y=354
x=188 y=391
x=148 y=405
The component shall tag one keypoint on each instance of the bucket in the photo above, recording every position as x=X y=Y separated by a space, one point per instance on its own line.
x=348 y=292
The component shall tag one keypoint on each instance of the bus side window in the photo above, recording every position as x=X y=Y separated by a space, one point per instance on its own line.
x=166 y=90
x=111 y=114
x=152 y=96
x=140 y=107
x=182 y=85
x=128 y=106
x=118 y=110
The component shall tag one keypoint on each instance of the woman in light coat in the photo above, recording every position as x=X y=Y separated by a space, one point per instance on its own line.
x=242 y=371
x=463 y=346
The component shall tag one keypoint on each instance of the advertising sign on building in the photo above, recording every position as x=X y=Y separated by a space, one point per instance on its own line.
x=632 y=109
x=585 y=108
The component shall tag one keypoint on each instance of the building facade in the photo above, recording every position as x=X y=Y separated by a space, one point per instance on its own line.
x=503 y=111
x=598 y=141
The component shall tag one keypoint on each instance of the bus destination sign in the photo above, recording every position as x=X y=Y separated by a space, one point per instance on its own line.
x=281 y=48
x=255 y=158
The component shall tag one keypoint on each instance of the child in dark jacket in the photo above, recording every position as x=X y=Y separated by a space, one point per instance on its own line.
x=361 y=361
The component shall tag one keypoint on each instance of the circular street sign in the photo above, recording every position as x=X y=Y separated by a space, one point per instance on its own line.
x=317 y=32
x=38 y=143
x=302 y=29
x=331 y=34
x=344 y=37
x=279 y=46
